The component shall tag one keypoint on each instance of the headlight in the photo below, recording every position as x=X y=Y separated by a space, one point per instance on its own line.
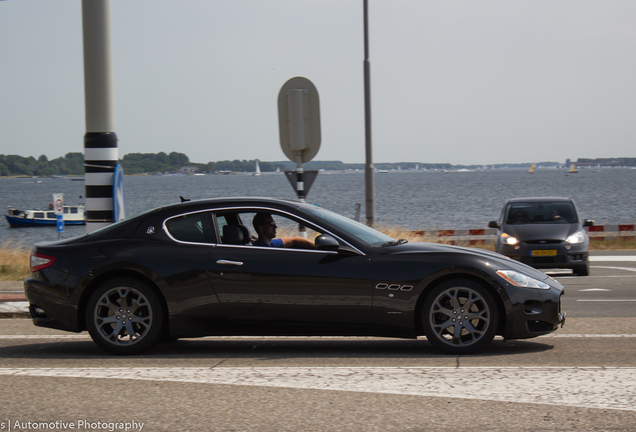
x=508 y=239
x=519 y=279
x=577 y=237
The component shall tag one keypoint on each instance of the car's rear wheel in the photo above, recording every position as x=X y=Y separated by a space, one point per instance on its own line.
x=124 y=316
x=460 y=316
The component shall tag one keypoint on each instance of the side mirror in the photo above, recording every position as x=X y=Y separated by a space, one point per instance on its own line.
x=588 y=223
x=493 y=224
x=326 y=243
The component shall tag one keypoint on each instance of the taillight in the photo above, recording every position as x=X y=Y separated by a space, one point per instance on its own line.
x=40 y=261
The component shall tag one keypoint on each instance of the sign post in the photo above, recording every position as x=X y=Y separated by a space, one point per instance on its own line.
x=299 y=128
x=58 y=205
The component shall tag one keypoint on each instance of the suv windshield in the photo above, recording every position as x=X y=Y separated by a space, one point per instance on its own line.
x=540 y=212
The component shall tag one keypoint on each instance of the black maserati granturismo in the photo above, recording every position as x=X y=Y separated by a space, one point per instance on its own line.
x=191 y=269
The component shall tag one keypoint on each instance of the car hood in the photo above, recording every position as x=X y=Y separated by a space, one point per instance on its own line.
x=496 y=261
x=548 y=231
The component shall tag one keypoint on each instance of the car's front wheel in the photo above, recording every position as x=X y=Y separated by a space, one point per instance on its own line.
x=460 y=316
x=583 y=270
x=124 y=316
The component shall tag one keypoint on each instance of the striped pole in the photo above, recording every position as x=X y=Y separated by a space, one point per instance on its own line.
x=100 y=142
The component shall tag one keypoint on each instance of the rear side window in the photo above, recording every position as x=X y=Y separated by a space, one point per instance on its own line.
x=192 y=228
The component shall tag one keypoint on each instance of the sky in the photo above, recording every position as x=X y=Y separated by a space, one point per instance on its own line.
x=461 y=82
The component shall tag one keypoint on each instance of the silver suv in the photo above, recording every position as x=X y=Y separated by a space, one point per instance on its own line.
x=544 y=233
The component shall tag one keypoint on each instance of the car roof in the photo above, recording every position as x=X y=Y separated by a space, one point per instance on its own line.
x=539 y=199
x=212 y=203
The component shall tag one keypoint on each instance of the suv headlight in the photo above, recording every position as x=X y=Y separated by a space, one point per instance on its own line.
x=577 y=237
x=508 y=239
x=521 y=280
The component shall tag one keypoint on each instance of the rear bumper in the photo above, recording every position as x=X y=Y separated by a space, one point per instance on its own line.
x=50 y=306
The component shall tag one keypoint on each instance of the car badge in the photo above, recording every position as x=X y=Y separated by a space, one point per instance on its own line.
x=150 y=230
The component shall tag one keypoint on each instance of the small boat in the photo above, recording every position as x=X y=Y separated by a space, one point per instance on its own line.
x=73 y=215
x=573 y=169
x=258 y=170
x=531 y=168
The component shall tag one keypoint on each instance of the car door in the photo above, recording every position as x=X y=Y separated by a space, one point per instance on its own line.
x=289 y=286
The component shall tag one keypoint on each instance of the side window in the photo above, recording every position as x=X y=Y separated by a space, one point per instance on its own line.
x=189 y=228
x=235 y=228
x=238 y=227
x=289 y=228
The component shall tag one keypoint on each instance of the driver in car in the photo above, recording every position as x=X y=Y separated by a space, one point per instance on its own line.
x=265 y=227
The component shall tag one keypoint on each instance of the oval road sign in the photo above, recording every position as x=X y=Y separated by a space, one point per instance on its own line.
x=299 y=119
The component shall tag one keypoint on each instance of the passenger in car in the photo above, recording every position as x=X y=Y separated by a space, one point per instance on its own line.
x=265 y=228
x=556 y=217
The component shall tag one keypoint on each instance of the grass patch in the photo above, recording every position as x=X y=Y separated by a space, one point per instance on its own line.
x=621 y=243
x=14 y=261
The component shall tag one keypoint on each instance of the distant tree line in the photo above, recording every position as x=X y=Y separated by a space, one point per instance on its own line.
x=140 y=163
x=244 y=166
x=132 y=163
x=623 y=161
x=152 y=163
x=13 y=165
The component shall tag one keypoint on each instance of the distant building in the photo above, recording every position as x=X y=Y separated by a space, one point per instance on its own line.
x=189 y=169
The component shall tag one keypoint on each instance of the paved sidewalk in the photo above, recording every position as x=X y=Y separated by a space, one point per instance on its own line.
x=13 y=304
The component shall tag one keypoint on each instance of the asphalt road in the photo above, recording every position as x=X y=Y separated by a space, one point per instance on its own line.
x=582 y=377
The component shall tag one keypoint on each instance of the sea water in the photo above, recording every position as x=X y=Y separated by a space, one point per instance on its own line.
x=417 y=200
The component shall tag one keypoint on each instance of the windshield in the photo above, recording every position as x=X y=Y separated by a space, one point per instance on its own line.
x=356 y=229
x=540 y=213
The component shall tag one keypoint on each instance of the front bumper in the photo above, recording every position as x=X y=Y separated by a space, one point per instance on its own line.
x=560 y=256
x=534 y=312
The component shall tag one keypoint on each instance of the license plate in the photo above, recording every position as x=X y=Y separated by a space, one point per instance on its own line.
x=546 y=252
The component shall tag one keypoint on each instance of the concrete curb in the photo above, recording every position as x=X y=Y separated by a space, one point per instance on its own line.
x=13 y=304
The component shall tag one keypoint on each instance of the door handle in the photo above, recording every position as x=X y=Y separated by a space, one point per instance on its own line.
x=229 y=263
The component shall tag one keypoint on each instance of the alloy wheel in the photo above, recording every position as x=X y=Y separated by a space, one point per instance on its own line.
x=460 y=317
x=123 y=316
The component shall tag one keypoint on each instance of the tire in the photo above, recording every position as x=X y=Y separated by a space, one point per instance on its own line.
x=583 y=270
x=124 y=316
x=460 y=316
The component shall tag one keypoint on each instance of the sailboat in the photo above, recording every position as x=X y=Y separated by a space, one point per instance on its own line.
x=573 y=169
x=258 y=169
x=531 y=168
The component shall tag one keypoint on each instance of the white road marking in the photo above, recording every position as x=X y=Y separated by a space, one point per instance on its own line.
x=594 y=289
x=85 y=336
x=612 y=258
x=586 y=387
x=607 y=300
x=616 y=268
